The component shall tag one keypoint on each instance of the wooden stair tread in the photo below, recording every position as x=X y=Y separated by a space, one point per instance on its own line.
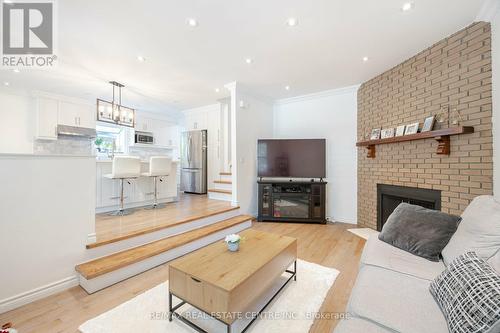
x=223 y=182
x=100 y=266
x=225 y=173
x=216 y=190
x=160 y=226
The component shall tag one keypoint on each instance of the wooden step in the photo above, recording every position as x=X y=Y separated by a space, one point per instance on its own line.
x=98 y=267
x=223 y=182
x=225 y=173
x=162 y=223
x=216 y=190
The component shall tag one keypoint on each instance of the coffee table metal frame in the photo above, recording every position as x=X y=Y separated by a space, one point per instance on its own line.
x=172 y=309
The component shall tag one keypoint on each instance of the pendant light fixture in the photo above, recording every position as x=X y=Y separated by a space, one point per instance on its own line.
x=114 y=112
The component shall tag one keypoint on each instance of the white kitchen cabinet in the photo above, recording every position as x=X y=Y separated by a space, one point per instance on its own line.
x=143 y=124
x=143 y=186
x=79 y=115
x=110 y=192
x=159 y=131
x=46 y=120
x=87 y=116
x=197 y=121
x=109 y=189
x=173 y=136
x=167 y=188
x=164 y=132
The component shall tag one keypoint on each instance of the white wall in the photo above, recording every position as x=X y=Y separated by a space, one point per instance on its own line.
x=249 y=123
x=17 y=125
x=495 y=54
x=331 y=115
x=47 y=207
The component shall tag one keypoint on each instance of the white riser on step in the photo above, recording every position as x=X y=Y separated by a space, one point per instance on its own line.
x=220 y=196
x=226 y=177
x=222 y=186
x=121 y=274
x=128 y=243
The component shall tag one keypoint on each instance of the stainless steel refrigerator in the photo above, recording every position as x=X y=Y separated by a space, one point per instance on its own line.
x=194 y=162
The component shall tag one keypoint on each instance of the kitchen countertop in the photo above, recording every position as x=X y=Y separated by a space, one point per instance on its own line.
x=111 y=161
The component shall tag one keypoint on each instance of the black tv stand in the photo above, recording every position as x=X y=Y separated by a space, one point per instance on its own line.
x=292 y=201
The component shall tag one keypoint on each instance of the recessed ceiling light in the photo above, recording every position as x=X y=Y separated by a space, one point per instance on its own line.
x=292 y=22
x=16 y=70
x=217 y=90
x=365 y=59
x=287 y=87
x=407 y=6
x=6 y=84
x=192 y=22
x=248 y=60
x=141 y=59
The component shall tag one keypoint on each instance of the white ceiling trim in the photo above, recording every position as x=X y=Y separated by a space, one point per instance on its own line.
x=488 y=10
x=321 y=94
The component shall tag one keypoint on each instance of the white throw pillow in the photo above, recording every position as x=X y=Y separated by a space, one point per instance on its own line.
x=479 y=230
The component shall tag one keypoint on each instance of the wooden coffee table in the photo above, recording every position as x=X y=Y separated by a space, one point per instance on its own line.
x=226 y=284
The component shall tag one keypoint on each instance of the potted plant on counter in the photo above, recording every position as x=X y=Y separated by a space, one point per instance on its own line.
x=98 y=142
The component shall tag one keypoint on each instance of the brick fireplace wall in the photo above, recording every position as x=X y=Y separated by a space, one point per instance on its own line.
x=454 y=72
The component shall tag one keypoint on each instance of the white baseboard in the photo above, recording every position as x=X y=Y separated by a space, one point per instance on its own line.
x=37 y=293
x=91 y=238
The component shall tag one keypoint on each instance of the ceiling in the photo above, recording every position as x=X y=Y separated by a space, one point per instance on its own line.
x=99 y=41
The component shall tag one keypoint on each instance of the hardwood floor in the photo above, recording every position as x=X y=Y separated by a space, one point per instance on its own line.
x=189 y=207
x=329 y=245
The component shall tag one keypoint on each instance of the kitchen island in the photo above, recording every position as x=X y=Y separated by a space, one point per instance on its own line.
x=140 y=191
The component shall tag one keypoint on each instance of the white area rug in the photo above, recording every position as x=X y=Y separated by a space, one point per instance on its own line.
x=363 y=232
x=293 y=310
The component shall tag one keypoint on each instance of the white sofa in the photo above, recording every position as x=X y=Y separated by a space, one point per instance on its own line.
x=391 y=293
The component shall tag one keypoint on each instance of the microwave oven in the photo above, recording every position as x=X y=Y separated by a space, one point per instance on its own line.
x=144 y=137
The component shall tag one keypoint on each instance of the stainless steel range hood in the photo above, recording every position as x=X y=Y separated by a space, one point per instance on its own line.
x=82 y=132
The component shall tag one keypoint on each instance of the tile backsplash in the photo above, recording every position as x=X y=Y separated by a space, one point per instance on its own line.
x=65 y=146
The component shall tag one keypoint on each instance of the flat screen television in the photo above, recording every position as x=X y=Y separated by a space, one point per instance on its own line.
x=291 y=158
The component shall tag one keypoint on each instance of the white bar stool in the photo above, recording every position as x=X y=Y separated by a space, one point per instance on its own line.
x=159 y=166
x=124 y=168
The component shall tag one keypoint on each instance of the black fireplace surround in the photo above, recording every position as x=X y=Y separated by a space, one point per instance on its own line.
x=390 y=196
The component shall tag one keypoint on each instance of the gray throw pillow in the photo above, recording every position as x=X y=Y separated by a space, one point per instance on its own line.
x=420 y=231
x=468 y=293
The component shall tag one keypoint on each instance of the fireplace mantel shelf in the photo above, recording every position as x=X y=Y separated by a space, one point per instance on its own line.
x=442 y=136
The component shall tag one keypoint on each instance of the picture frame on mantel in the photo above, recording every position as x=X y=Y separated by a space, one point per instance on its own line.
x=375 y=134
x=400 y=130
x=429 y=124
x=387 y=133
x=412 y=129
